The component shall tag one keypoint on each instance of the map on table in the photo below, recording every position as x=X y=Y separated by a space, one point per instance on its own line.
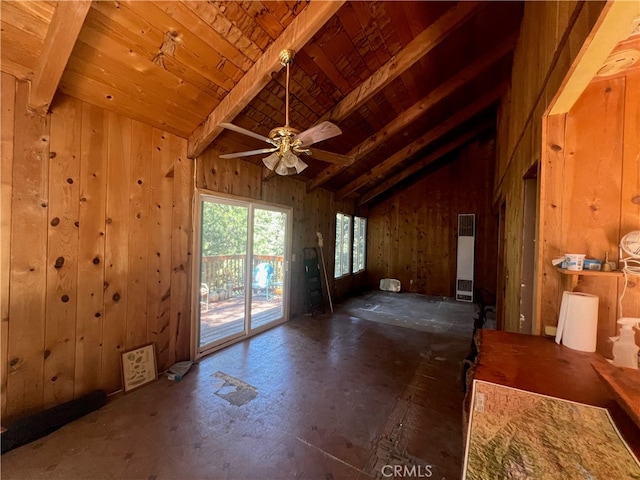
x=514 y=434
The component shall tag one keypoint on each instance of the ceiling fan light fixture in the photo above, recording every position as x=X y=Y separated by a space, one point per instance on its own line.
x=289 y=159
x=271 y=161
x=281 y=169
x=300 y=166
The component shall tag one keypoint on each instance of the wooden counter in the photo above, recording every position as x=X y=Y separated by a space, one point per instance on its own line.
x=624 y=384
x=539 y=365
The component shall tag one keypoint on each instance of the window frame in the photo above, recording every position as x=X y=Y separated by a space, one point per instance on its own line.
x=341 y=270
x=359 y=259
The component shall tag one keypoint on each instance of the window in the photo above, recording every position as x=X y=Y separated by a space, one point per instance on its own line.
x=343 y=244
x=359 y=243
x=348 y=246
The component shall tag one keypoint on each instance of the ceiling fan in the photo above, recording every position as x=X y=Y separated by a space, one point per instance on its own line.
x=287 y=142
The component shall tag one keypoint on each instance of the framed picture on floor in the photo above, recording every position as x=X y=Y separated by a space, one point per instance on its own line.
x=139 y=367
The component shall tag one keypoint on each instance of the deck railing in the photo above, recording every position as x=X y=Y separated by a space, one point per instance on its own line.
x=226 y=272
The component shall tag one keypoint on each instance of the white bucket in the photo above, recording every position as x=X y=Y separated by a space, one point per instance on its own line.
x=575 y=261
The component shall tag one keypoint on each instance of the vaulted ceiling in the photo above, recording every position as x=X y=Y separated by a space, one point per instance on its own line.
x=407 y=82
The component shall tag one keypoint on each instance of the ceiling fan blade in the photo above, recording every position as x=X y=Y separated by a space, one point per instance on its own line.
x=244 y=131
x=320 y=132
x=248 y=153
x=331 y=157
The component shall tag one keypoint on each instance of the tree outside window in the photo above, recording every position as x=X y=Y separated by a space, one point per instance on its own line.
x=359 y=243
x=343 y=245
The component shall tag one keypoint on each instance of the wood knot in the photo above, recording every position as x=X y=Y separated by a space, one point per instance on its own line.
x=55 y=222
x=52 y=154
x=98 y=315
x=555 y=147
x=47 y=353
x=116 y=297
x=14 y=361
x=96 y=261
x=70 y=181
x=635 y=199
x=59 y=262
x=64 y=298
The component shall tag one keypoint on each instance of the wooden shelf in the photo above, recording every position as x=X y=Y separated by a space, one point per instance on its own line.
x=593 y=273
x=574 y=276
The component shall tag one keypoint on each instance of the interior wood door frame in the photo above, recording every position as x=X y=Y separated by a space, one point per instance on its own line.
x=503 y=274
x=529 y=252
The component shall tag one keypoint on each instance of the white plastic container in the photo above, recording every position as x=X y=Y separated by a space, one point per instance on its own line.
x=625 y=350
x=575 y=261
x=390 y=285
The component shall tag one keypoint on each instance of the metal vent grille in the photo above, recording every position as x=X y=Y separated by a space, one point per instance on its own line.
x=465 y=259
x=465 y=286
x=466 y=225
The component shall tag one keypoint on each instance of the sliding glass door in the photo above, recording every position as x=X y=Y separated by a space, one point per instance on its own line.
x=224 y=246
x=269 y=247
x=243 y=269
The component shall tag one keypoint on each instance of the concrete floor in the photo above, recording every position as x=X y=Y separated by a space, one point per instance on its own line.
x=326 y=397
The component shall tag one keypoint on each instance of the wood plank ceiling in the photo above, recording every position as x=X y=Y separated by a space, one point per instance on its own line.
x=407 y=82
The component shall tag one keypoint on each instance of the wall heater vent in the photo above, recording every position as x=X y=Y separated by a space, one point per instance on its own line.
x=466 y=247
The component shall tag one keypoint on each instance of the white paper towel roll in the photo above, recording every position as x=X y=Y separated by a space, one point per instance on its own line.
x=578 y=321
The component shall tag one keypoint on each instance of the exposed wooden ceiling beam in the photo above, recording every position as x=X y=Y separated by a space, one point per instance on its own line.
x=430 y=158
x=432 y=135
x=61 y=36
x=297 y=34
x=617 y=20
x=402 y=61
x=418 y=109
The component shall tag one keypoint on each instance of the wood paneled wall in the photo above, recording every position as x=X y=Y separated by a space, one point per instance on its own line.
x=96 y=239
x=551 y=36
x=592 y=195
x=312 y=212
x=413 y=233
